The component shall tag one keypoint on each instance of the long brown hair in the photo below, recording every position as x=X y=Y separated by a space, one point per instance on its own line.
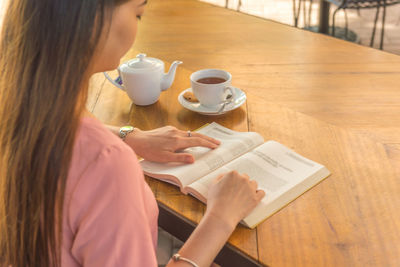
x=46 y=47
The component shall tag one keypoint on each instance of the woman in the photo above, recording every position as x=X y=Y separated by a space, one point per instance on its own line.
x=72 y=192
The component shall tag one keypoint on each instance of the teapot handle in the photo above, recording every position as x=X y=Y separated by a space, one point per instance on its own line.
x=117 y=82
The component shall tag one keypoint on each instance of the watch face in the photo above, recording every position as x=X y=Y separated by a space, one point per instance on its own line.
x=126 y=128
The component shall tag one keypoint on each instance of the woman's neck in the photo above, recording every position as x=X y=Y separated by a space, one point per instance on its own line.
x=87 y=113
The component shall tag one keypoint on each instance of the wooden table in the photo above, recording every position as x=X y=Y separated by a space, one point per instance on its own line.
x=335 y=102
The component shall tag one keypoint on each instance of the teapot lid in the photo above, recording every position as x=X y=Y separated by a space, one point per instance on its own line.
x=142 y=62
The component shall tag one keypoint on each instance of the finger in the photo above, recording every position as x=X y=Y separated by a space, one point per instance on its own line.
x=246 y=176
x=218 y=178
x=177 y=157
x=196 y=141
x=260 y=194
x=253 y=184
x=199 y=135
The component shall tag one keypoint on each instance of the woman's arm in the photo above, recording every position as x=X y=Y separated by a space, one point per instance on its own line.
x=230 y=199
x=205 y=242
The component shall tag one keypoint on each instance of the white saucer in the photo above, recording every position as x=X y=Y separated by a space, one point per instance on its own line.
x=197 y=107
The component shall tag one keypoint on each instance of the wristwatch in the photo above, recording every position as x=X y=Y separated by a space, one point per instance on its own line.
x=125 y=130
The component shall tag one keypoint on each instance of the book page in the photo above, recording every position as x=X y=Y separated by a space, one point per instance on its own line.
x=272 y=165
x=233 y=144
x=276 y=169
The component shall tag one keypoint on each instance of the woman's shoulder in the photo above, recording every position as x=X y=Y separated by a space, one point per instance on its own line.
x=92 y=135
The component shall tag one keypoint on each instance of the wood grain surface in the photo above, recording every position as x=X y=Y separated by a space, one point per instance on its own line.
x=332 y=101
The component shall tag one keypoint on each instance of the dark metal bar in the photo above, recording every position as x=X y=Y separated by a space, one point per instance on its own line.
x=180 y=227
x=347 y=25
x=323 y=17
x=333 y=21
x=374 y=29
x=296 y=12
x=383 y=25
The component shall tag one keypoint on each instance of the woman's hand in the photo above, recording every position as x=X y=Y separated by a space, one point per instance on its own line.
x=232 y=197
x=163 y=144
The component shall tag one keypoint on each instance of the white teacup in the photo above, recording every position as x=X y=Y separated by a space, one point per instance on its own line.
x=212 y=86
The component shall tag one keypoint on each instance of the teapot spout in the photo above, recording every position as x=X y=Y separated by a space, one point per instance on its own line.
x=168 y=78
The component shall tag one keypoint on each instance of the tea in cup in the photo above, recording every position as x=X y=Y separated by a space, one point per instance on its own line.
x=212 y=86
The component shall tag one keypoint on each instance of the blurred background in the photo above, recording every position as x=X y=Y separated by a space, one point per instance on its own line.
x=360 y=21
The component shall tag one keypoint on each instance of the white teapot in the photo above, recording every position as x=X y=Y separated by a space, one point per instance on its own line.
x=143 y=79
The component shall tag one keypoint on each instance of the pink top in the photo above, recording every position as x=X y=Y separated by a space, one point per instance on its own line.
x=110 y=214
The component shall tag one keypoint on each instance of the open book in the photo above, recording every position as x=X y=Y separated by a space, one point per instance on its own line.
x=280 y=172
